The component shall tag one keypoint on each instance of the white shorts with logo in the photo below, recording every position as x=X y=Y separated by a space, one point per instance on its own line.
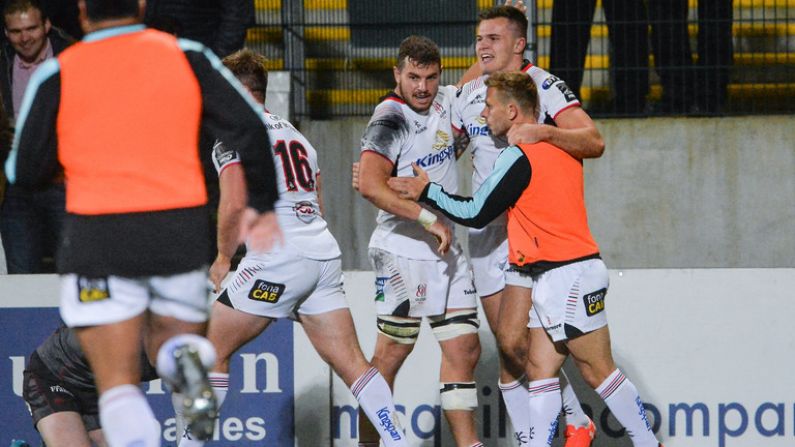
x=422 y=288
x=98 y=301
x=286 y=284
x=568 y=301
x=488 y=250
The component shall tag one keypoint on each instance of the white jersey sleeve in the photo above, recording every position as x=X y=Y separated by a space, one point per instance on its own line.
x=387 y=132
x=223 y=156
x=554 y=96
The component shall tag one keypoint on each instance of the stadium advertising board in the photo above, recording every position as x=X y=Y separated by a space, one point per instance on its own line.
x=259 y=409
x=708 y=349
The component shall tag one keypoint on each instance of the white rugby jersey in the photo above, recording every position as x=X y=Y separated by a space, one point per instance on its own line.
x=403 y=136
x=553 y=94
x=297 y=170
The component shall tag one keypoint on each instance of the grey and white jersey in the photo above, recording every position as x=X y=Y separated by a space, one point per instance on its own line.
x=402 y=136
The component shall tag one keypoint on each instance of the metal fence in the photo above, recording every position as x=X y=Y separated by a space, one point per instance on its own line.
x=622 y=57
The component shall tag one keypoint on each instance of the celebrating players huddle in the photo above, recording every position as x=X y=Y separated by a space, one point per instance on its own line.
x=538 y=271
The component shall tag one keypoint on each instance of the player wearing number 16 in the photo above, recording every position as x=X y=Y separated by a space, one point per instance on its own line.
x=301 y=279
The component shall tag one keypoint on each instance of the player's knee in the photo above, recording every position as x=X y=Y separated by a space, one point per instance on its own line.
x=459 y=396
x=455 y=324
x=402 y=330
x=512 y=346
x=595 y=373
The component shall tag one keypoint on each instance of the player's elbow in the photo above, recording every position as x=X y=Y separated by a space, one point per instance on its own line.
x=597 y=145
x=368 y=190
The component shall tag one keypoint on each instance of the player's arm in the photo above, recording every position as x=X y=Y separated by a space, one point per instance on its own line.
x=498 y=192
x=460 y=142
x=374 y=172
x=33 y=160
x=575 y=133
x=231 y=205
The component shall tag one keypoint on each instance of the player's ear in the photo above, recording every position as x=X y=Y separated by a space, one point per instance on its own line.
x=396 y=73
x=520 y=45
x=513 y=110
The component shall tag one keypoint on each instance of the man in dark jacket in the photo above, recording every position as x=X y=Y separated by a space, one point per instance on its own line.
x=218 y=24
x=30 y=220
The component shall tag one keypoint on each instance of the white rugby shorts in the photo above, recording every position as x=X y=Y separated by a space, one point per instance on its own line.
x=286 y=284
x=98 y=301
x=488 y=250
x=422 y=288
x=569 y=300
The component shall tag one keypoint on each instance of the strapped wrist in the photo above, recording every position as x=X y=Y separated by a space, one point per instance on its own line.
x=426 y=218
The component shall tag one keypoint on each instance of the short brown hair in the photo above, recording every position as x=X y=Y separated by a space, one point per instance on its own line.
x=514 y=16
x=518 y=86
x=19 y=6
x=249 y=67
x=420 y=50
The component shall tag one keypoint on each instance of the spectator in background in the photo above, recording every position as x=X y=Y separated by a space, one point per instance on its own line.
x=629 y=53
x=219 y=24
x=30 y=220
x=690 y=86
x=62 y=14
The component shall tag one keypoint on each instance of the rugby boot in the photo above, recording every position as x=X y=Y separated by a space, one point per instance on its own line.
x=580 y=436
x=199 y=405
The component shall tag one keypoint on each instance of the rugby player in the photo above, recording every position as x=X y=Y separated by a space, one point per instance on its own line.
x=300 y=279
x=500 y=43
x=59 y=390
x=421 y=271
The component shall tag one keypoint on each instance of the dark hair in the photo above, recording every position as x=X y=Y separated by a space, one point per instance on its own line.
x=514 y=16
x=15 y=6
x=420 y=50
x=249 y=67
x=97 y=10
x=518 y=86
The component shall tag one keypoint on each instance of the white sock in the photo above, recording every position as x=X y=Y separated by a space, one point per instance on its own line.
x=220 y=384
x=127 y=419
x=545 y=402
x=623 y=400
x=572 y=410
x=375 y=399
x=167 y=367
x=517 y=402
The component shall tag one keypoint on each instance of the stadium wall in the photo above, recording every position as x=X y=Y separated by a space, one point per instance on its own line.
x=667 y=193
x=707 y=348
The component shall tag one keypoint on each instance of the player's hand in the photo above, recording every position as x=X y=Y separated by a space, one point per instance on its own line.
x=219 y=270
x=355 y=175
x=410 y=188
x=518 y=4
x=261 y=230
x=526 y=133
x=443 y=235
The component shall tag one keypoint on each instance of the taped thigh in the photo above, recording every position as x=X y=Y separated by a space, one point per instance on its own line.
x=455 y=323
x=402 y=330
